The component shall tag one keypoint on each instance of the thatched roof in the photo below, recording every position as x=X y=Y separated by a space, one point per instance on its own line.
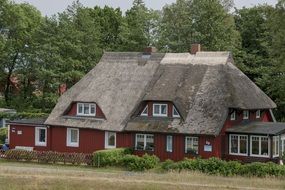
x=202 y=87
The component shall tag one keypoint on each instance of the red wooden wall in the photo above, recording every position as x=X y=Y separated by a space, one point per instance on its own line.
x=72 y=111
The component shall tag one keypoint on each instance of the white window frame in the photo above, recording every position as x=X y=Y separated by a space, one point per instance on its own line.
x=259 y=154
x=245 y=116
x=145 y=138
x=282 y=138
x=230 y=145
x=145 y=109
x=169 y=148
x=257 y=114
x=186 y=139
x=68 y=138
x=83 y=105
x=37 y=142
x=173 y=112
x=159 y=114
x=107 y=146
x=233 y=116
x=275 y=141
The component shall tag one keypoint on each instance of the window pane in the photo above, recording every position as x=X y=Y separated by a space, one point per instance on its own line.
x=234 y=144
x=86 y=108
x=156 y=109
x=111 y=139
x=42 y=135
x=195 y=144
x=169 y=143
x=264 y=146
x=191 y=145
x=140 y=142
x=163 y=109
x=255 y=145
x=149 y=142
x=243 y=145
x=92 y=109
x=73 y=135
x=233 y=116
x=80 y=108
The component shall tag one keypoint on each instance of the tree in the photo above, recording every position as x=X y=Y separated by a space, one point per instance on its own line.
x=191 y=21
x=139 y=27
x=18 y=22
x=273 y=78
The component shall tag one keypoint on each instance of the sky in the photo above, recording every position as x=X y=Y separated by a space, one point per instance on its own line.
x=50 y=7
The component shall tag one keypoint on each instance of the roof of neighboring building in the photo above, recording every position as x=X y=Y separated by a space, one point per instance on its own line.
x=260 y=128
x=202 y=87
x=31 y=121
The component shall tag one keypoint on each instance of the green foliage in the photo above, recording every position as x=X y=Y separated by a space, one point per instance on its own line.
x=136 y=163
x=215 y=166
x=112 y=157
x=22 y=115
x=3 y=134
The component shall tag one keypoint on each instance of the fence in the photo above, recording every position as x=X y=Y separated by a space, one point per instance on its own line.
x=47 y=157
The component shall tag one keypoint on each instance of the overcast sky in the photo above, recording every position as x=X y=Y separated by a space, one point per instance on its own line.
x=50 y=7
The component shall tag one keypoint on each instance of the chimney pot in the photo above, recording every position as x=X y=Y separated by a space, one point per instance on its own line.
x=195 y=48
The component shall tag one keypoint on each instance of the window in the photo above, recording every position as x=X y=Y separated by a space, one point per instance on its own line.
x=275 y=147
x=145 y=111
x=40 y=136
x=110 y=139
x=282 y=144
x=257 y=114
x=160 y=110
x=144 y=142
x=72 y=137
x=238 y=144
x=191 y=145
x=259 y=146
x=86 y=109
x=233 y=116
x=245 y=114
x=175 y=112
x=169 y=143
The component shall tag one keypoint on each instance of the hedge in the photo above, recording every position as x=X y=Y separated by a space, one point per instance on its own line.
x=215 y=166
x=122 y=157
x=110 y=157
x=3 y=134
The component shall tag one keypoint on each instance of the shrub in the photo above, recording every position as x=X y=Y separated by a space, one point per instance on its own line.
x=3 y=134
x=215 y=166
x=111 y=157
x=136 y=163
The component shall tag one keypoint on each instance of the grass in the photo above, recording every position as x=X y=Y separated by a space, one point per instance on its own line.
x=30 y=176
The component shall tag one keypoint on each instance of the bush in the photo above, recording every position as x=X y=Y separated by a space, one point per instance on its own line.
x=136 y=163
x=3 y=134
x=111 y=157
x=215 y=166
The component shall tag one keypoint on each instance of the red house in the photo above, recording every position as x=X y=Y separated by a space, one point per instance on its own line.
x=173 y=105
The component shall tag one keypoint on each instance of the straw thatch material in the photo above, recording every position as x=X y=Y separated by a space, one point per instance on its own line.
x=203 y=87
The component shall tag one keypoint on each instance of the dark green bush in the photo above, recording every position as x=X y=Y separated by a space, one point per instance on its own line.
x=3 y=134
x=112 y=157
x=169 y=165
x=136 y=163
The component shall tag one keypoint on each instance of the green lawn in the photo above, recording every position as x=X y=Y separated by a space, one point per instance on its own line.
x=30 y=176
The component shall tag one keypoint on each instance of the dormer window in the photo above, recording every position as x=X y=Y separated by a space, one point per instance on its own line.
x=245 y=114
x=175 y=112
x=233 y=116
x=160 y=110
x=145 y=111
x=257 y=114
x=86 y=109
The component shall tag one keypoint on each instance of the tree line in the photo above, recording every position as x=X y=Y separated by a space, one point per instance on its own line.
x=38 y=53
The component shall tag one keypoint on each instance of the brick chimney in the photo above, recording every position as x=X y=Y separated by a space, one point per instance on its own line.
x=195 y=48
x=149 y=50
